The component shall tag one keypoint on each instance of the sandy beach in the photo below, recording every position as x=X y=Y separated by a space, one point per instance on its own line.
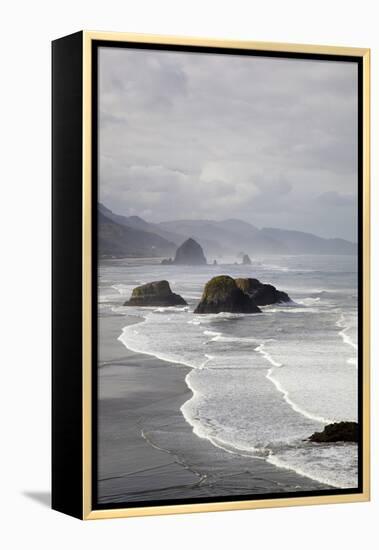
x=147 y=451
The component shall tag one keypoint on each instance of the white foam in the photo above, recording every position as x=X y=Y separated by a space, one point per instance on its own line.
x=126 y=310
x=203 y=432
x=299 y=309
x=107 y=298
x=292 y=404
x=341 y=323
x=275 y=267
x=220 y=337
x=309 y=301
x=260 y=349
x=347 y=340
x=130 y=329
x=163 y=309
x=207 y=359
x=283 y=269
x=211 y=333
x=335 y=478
x=124 y=290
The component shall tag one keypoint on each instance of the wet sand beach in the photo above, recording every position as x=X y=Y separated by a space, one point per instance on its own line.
x=147 y=451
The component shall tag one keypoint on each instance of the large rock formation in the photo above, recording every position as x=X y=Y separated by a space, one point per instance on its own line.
x=263 y=294
x=221 y=294
x=157 y=293
x=190 y=253
x=246 y=260
x=339 y=431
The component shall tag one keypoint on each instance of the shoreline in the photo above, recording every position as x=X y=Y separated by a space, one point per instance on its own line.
x=148 y=450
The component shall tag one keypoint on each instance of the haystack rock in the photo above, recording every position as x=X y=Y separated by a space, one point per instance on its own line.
x=157 y=293
x=221 y=294
x=246 y=260
x=262 y=294
x=190 y=253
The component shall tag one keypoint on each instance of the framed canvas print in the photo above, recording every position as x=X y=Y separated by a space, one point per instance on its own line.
x=210 y=275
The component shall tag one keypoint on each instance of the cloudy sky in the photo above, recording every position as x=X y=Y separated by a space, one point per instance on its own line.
x=203 y=136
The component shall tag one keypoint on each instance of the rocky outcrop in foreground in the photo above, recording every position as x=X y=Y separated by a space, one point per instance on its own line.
x=157 y=293
x=339 y=431
x=263 y=294
x=221 y=294
x=225 y=294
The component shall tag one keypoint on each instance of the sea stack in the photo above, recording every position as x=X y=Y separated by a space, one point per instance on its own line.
x=262 y=294
x=221 y=294
x=190 y=253
x=246 y=260
x=155 y=294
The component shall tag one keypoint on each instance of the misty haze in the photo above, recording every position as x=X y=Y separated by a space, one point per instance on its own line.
x=272 y=142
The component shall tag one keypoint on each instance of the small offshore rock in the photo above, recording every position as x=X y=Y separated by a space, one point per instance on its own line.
x=338 y=431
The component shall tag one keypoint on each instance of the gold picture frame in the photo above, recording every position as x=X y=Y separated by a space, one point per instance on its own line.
x=84 y=509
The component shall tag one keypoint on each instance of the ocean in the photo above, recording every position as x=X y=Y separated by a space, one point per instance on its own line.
x=261 y=383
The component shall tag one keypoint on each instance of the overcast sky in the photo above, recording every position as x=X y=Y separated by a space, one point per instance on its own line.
x=203 y=136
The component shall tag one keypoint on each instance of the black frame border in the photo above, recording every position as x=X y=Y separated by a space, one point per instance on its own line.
x=67 y=253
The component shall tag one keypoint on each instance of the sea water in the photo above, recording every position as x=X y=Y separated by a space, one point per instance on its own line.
x=261 y=383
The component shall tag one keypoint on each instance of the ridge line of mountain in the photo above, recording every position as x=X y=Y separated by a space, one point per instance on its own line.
x=135 y=237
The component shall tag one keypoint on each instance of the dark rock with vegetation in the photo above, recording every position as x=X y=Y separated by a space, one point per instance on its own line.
x=166 y=262
x=246 y=260
x=221 y=294
x=263 y=294
x=190 y=253
x=339 y=431
x=157 y=293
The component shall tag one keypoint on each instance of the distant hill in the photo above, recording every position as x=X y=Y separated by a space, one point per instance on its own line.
x=132 y=236
x=122 y=241
x=138 y=223
x=226 y=237
x=298 y=242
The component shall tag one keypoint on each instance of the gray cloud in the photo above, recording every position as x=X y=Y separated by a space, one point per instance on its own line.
x=270 y=141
